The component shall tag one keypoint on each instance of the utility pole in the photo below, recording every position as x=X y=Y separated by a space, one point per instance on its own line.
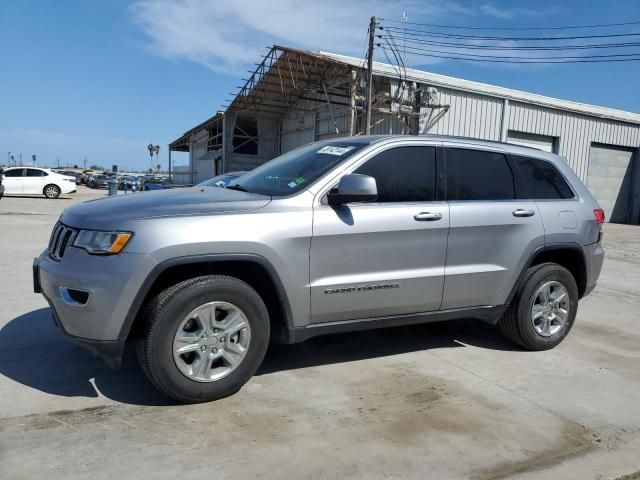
x=405 y=19
x=372 y=32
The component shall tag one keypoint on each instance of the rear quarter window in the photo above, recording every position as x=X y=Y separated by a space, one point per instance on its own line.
x=542 y=180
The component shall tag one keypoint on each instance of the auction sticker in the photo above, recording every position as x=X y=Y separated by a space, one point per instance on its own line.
x=329 y=150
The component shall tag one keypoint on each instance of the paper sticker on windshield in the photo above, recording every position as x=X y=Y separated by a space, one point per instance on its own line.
x=330 y=150
x=299 y=180
x=292 y=184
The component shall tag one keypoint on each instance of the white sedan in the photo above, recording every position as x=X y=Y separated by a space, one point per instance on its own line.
x=37 y=181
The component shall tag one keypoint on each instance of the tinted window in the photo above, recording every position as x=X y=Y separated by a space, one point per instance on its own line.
x=32 y=172
x=542 y=180
x=478 y=175
x=403 y=174
x=16 y=172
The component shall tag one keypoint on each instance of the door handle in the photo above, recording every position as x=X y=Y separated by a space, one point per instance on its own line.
x=427 y=217
x=521 y=212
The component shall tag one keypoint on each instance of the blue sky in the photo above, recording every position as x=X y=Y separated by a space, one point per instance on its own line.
x=103 y=78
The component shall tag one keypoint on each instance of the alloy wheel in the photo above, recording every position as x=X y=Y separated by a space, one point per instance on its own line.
x=211 y=341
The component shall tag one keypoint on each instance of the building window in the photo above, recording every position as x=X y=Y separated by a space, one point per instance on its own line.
x=245 y=136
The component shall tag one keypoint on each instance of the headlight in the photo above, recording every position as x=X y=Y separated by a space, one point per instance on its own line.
x=101 y=243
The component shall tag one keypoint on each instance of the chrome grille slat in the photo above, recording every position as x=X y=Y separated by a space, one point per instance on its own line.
x=61 y=237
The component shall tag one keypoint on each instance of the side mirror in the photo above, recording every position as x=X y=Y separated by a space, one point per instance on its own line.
x=354 y=188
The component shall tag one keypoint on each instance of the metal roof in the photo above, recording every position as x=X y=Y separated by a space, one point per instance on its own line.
x=436 y=80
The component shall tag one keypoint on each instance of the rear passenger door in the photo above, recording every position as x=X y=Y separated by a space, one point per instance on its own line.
x=33 y=182
x=492 y=232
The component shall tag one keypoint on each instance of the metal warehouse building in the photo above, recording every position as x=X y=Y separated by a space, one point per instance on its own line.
x=295 y=97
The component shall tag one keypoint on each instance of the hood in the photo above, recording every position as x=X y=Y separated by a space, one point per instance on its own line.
x=114 y=212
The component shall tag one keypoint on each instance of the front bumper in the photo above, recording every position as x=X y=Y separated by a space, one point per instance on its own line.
x=111 y=283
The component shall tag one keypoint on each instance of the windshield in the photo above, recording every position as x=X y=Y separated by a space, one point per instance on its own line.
x=297 y=169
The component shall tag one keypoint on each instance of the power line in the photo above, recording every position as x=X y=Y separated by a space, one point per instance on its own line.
x=621 y=55
x=565 y=27
x=585 y=59
x=426 y=33
x=476 y=46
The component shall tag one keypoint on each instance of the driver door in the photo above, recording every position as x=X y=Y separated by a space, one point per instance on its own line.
x=13 y=181
x=386 y=257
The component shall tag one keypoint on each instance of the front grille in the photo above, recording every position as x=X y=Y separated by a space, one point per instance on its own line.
x=61 y=238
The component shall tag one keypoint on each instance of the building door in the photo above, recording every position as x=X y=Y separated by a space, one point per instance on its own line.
x=297 y=131
x=613 y=178
x=541 y=142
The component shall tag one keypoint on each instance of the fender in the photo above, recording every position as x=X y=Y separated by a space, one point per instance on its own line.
x=550 y=247
x=207 y=258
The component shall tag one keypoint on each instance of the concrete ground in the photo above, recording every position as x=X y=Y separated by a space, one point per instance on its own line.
x=449 y=400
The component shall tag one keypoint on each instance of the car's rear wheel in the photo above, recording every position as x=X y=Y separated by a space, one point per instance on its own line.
x=204 y=338
x=51 y=191
x=544 y=308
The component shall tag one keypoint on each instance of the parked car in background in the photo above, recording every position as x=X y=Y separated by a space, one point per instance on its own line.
x=86 y=176
x=76 y=175
x=1 y=185
x=155 y=182
x=128 y=181
x=98 y=181
x=37 y=181
x=222 y=180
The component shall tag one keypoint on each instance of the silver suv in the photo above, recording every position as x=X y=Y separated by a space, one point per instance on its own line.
x=335 y=236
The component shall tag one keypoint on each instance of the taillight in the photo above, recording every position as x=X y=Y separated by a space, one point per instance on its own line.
x=599 y=214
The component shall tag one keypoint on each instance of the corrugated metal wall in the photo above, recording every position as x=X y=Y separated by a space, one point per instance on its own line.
x=466 y=114
x=268 y=143
x=575 y=132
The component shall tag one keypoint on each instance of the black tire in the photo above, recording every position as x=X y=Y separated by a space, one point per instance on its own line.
x=162 y=317
x=517 y=325
x=51 y=191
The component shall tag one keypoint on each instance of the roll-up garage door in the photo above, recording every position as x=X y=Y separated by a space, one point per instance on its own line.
x=541 y=142
x=613 y=180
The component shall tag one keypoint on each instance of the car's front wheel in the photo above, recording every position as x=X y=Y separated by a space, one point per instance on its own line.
x=544 y=308
x=51 y=191
x=204 y=338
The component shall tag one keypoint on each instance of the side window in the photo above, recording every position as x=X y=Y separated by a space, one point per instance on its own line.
x=16 y=172
x=32 y=172
x=403 y=174
x=542 y=179
x=478 y=175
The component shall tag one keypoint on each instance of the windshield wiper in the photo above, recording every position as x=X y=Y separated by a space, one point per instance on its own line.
x=236 y=187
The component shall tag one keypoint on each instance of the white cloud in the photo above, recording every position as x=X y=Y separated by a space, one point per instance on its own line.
x=513 y=13
x=227 y=35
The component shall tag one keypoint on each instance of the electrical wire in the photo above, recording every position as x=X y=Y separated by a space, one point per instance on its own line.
x=585 y=59
x=493 y=57
x=566 y=27
x=476 y=46
x=426 y=33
